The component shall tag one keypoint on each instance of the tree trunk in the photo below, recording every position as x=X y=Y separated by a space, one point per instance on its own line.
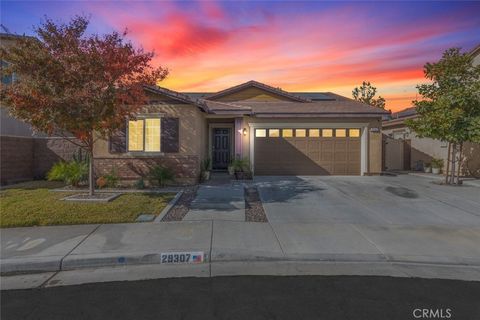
x=460 y=156
x=91 y=182
x=454 y=153
x=447 y=172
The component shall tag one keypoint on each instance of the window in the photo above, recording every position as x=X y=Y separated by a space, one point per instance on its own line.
x=144 y=135
x=135 y=135
x=274 y=133
x=260 y=133
x=314 y=133
x=354 y=133
x=341 y=133
x=287 y=133
x=7 y=79
x=327 y=133
x=301 y=133
x=152 y=135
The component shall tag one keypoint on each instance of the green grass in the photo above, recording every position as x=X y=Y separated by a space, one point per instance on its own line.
x=33 y=204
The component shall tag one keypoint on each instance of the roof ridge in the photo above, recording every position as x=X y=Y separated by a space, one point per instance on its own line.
x=259 y=85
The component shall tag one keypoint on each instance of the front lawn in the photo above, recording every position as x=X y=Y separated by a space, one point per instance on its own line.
x=33 y=204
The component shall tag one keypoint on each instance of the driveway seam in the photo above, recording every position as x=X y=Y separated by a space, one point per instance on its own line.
x=276 y=237
x=210 y=253
x=78 y=244
x=373 y=243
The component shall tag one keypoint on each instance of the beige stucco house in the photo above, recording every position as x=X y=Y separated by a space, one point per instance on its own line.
x=279 y=132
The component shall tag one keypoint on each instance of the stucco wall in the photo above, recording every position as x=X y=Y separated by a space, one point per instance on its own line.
x=425 y=149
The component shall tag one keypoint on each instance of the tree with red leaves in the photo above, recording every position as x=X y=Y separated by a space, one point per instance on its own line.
x=70 y=83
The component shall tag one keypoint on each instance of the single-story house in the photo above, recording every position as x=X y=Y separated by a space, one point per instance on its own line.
x=279 y=132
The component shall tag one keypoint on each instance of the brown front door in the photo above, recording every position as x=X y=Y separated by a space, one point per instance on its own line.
x=221 y=148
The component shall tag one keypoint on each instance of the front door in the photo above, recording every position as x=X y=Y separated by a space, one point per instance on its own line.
x=221 y=148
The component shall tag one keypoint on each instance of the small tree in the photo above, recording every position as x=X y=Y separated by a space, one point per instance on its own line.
x=366 y=94
x=70 y=83
x=450 y=108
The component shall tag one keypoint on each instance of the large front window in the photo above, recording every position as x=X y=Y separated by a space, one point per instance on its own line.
x=144 y=135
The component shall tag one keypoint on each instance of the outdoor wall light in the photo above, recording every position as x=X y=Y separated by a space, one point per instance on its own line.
x=244 y=131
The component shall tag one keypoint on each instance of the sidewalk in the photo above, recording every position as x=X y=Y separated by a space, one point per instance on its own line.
x=232 y=247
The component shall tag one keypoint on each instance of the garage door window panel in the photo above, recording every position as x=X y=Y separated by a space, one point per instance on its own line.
x=273 y=133
x=354 y=133
x=327 y=133
x=260 y=133
x=287 y=133
x=340 y=133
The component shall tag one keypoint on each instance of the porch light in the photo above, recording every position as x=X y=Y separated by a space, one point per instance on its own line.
x=244 y=131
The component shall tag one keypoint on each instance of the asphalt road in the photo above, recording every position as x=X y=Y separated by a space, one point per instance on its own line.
x=345 y=297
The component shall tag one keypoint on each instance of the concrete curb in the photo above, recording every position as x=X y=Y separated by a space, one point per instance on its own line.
x=224 y=265
x=169 y=207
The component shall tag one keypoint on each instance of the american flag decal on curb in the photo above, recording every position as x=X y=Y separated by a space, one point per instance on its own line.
x=197 y=258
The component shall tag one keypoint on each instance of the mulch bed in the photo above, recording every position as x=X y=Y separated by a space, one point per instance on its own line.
x=254 y=211
x=180 y=209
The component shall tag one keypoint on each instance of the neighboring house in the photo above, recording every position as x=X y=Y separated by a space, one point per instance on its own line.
x=281 y=133
x=24 y=154
x=403 y=150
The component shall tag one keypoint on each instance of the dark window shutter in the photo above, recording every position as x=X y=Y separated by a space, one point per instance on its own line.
x=118 y=141
x=170 y=136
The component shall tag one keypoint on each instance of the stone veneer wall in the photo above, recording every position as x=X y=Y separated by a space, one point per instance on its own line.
x=129 y=170
x=26 y=158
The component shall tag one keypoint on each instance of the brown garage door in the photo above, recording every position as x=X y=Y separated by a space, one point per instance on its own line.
x=307 y=151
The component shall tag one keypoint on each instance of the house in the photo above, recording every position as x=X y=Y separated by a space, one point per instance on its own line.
x=279 y=132
x=403 y=150
x=25 y=154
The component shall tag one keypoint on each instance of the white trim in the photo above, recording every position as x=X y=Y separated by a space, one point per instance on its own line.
x=313 y=125
x=364 y=151
x=348 y=125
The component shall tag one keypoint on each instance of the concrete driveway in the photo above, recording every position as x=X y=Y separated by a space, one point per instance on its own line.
x=403 y=218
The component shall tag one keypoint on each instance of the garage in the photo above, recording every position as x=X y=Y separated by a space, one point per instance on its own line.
x=307 y=151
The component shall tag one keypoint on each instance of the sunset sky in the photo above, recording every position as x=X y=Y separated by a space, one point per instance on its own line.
x=298 y=46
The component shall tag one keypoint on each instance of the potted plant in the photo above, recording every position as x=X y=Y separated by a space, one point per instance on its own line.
x=437 y=165
x=206 y=169
x=427 y=168
x=231 y=168
x=241 y=169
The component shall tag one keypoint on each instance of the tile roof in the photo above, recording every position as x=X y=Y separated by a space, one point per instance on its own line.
x=306 y=103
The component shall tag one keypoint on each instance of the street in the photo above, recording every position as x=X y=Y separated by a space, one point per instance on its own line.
x=252 y=297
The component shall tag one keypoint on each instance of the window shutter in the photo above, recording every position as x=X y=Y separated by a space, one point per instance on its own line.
x=118 y=141
x=170 y=135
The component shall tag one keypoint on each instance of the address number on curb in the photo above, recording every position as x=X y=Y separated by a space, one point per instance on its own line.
x=181 y=257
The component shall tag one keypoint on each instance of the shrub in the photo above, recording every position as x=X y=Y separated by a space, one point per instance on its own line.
x=160 y=175
x=72 y=172
x=437 y=163
x=112 y=178
x=206 y=164
x=241 y=165
x=140 y=184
